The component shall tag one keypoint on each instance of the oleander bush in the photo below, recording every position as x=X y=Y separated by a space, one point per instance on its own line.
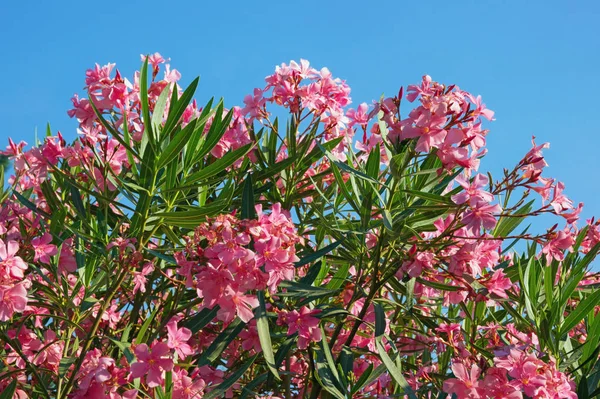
x=175 y=250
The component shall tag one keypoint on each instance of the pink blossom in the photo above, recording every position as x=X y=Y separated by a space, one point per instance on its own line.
x=233 y=303
x=480 y=108
x=139 y=278
x=465 y=385
x=359 y=116
x=12 y=299
x=497 y=386
x=186 y=386
x=151 y=363
x=498 y=284
x=177 y=339
x=304 y=323
x=481 y=214
x=43 y=249
x=555 y=247
x=427 y=127
x=472 y=190
x=13 y=266
x=560 y=202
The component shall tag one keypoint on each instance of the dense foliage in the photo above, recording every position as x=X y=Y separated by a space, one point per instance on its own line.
x=178 y=251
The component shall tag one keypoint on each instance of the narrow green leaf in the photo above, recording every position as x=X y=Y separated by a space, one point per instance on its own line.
x=77 y=202
x=159 y=107
x=148 y=132
x=580 y=312
x=215 y=133
x=175 y=146
x=9 y=391
x=219 y=344
x=201 y=319
x=219 y=391
x=264 y=335
x=394 y=371
x=219 y=165
x=193 y=217
x=325 y=375
x=248 y=211
x=339 y=277
x=306 y=258
x=430 y=197
x=178 y=109
x=507 y=224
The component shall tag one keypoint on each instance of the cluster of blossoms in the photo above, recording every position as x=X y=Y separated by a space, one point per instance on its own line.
x=220 y=265
x=517 y=371
x=306 y=93
x=92 y=301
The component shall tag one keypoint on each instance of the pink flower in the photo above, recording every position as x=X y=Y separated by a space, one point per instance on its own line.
x=481 y=214
x=465 y=385
x=360 y=116
x=473 y=190
x=43 y=249
x=496 y=385
x=480 y=108
x=304 y=323
x=498 y=284
x=236 y=303
x=13 y=265
x=427 y=127
x=560 y=202
x=255 y=106
x=177 y=339
x=12 y=299
x=139 y=278
x=152 y=363
x=187 y=387
x=555 y=247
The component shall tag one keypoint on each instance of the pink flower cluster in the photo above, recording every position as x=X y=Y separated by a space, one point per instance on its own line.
x=300 y=87
x=219 y=263
x=447 y=120
x=515 y=374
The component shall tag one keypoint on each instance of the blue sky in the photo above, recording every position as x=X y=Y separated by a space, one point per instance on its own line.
x=536 y=63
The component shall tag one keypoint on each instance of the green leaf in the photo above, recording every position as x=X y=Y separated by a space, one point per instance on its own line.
x=9 y=391
x=144 y=329
x=306 y=258
x=217 y=129
x=360 y=383
x=373 y=163
x=248 y=211
x=193 y=217
x=219 y=391
x=264 y=335
x=77 y=202
x=202 y=318
x=30 y=205
x=159 y=107
x=394 y=371
x=430 y=197
x=339 y=277
x=325 y=375
x=580 y=312
x=174 y=148
x=179 y=108
x=219 y=165
x=219 y=344
x=304 y=292
x=148 y=132
x=507 y=224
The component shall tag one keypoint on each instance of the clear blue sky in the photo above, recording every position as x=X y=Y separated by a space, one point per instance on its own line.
x=536 y=63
